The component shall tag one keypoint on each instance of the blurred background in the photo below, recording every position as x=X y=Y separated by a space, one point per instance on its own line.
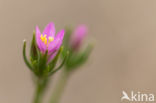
x=124 y=57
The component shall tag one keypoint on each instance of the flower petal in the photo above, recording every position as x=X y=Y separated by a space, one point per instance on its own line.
x=49 y=30
x=60 y=36
x=40 y=44
x=55 y=45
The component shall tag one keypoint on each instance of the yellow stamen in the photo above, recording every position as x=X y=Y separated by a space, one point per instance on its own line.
x=44 y=38
x=50 y=39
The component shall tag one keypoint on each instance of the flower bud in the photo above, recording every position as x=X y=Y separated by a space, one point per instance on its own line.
x=72 y=42
x=78 y=36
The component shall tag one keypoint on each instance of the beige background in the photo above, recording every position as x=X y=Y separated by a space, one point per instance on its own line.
x=124 y=57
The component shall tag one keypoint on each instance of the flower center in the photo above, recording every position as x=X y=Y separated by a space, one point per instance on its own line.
x=46 y=40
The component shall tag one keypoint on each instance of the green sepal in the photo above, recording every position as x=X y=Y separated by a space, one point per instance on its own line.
x=77 y=59
x=25 y=58
x=53 y=63
x=61 y=65
x=34 y=64
x=42 y=63
x=66 y=40
x=67 y=36
x=33 y=49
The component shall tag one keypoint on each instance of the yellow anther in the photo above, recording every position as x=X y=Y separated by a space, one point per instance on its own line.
x=50 y=39
x=44 y=38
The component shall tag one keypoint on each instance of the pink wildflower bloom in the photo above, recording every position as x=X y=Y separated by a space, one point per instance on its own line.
x=47 y=41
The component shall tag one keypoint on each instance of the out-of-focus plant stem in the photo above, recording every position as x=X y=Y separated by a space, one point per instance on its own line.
x=56 y=96
x=40 y=87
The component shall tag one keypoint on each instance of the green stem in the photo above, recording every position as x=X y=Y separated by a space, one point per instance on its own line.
x=60 y=87
x=40 y=87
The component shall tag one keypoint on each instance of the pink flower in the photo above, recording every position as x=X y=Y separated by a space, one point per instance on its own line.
x=47 y=41
x=78 y=35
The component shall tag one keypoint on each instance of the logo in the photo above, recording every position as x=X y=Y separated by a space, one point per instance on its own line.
x=137 y=96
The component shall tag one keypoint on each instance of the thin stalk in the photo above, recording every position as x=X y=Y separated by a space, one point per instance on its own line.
x=59 y=87
x=40 y=87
